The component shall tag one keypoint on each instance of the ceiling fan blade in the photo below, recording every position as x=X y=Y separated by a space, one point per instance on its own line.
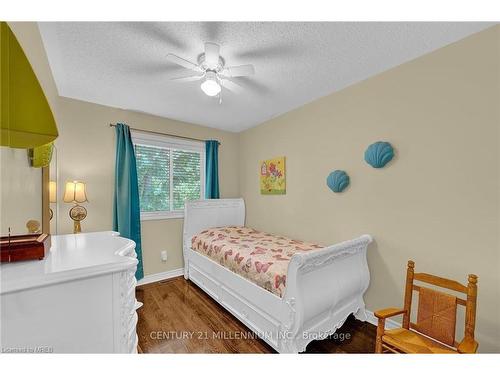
x=231 y=86
x=190 y=78
x=182 y=62
x=212 y=51
x=238 y=71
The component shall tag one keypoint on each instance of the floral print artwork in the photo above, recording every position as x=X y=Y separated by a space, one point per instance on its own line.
x=257 y=256
x=272 y=176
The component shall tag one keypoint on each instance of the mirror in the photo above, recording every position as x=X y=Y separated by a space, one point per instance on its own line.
x=24 y=194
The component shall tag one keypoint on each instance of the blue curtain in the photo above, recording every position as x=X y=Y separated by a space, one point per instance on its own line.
x=126 y=209
x=212 y=170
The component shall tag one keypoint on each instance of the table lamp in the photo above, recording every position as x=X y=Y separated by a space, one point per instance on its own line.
x=74 y=192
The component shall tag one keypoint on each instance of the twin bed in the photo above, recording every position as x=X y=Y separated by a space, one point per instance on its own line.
x=288 y=292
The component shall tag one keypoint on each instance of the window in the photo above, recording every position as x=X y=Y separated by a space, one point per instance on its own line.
x=169 y=171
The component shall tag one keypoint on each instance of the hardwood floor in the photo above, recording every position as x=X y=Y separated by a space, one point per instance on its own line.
x=178 y=317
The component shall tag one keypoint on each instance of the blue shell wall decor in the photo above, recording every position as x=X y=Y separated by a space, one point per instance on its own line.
x=337 y=181
x=378 y=154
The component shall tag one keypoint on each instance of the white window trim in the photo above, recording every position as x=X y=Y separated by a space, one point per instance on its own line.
x=172 y=143
x=162 y=215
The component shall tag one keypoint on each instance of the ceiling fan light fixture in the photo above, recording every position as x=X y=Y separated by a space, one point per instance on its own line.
x=210 y=86
x=211 y=69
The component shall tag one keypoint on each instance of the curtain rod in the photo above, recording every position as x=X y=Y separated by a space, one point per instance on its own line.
x=167 y=134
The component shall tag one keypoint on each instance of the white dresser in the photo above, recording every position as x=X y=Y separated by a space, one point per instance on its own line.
x=79 y=299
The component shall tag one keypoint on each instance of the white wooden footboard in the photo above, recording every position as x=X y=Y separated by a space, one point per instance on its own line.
x=323 y=286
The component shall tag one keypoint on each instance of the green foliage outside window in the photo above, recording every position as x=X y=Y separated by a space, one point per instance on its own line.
x=167 y=177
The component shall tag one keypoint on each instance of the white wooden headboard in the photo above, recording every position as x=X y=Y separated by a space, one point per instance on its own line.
x=209 y=213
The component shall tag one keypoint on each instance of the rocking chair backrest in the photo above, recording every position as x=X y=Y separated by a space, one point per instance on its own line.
x=437 y=310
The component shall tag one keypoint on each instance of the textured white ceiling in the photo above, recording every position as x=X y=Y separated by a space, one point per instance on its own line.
x=123 y=64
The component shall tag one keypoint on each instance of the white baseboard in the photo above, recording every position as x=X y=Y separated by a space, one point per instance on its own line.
x=161 y=276
x=389 y=323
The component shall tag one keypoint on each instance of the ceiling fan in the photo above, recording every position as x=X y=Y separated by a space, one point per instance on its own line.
x=212 y=71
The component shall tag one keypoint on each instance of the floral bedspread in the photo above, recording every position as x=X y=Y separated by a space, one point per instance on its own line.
x=257 y=256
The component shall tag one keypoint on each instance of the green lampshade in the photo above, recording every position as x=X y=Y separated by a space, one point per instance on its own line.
x=26 y=118
x=40 y=156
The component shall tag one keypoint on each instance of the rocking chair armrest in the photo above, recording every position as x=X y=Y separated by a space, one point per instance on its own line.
x=389 y=312
x=468 y=346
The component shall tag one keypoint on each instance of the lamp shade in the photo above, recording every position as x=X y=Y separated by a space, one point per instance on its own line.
x=52 y=192
x=25 y=114
x=74 y=192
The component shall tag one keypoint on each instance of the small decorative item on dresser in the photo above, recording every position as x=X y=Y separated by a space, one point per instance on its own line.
x=75 y=193
x=33 y=226
x=337 y=181
x=378 y=154
x=23 y=247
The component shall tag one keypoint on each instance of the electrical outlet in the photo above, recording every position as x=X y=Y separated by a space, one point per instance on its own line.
x=163 y=256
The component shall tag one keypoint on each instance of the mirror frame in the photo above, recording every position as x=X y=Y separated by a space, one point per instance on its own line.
x=45 y=200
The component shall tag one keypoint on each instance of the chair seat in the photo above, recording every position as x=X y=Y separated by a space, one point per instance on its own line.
x=412 y=342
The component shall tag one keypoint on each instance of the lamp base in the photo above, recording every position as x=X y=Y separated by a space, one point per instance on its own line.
x=77 y=228
x=77 y=213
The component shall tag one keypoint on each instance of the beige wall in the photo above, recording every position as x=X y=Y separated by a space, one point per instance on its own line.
x=436 y=203
x=85 y=151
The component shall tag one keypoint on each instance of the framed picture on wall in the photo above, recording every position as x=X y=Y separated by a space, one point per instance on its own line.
x=273 y=176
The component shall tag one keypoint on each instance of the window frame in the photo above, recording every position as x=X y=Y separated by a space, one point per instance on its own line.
x=171 y=143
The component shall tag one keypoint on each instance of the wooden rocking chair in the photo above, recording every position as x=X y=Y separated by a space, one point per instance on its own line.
x=434 y=331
